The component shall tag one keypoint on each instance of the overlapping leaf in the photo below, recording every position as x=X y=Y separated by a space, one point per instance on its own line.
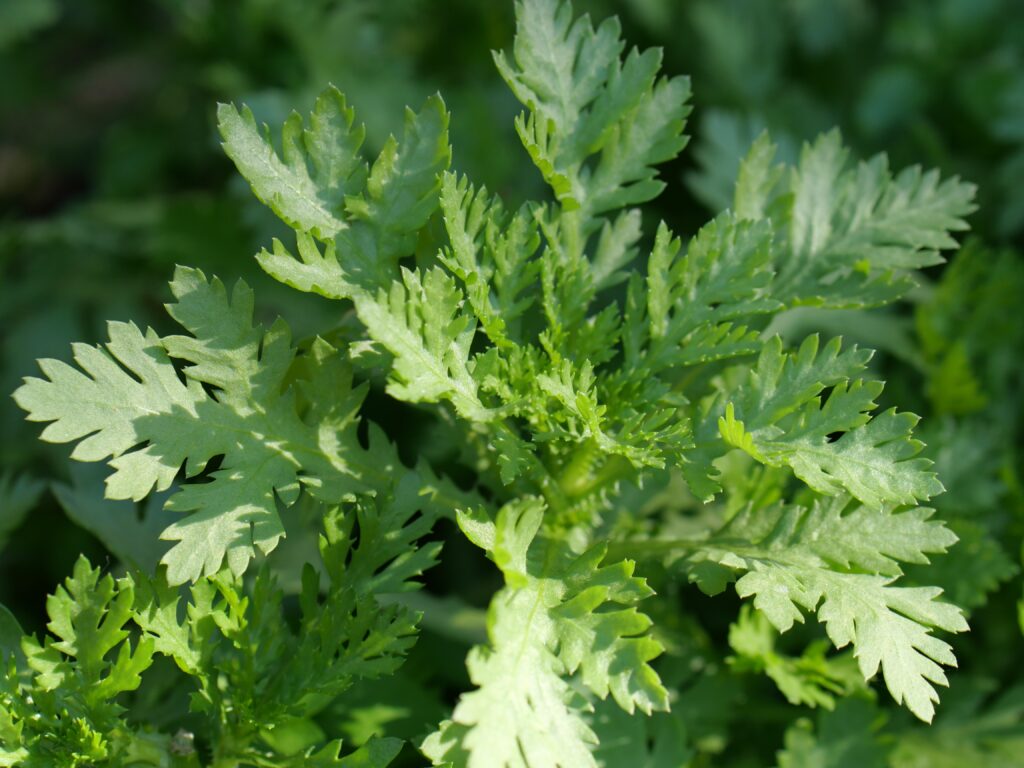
x=128 y=403
x=545 y=625
x=779 y=417
x=491 y=253
x=570 y=389
x=810 y=679
x=852 y=236
x=841 y=564
x=367 y=218
x=65 y=709
x=696 y=305
x=346 y=634
x=420 y=323
x=585 y=100
x=320 y=165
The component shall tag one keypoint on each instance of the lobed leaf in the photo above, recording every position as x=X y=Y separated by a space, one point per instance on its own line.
x=841 y=565
x=852 y=236
x=543 y=626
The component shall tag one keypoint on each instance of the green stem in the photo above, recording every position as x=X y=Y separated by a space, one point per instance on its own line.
x=636 y=549
x=572 y=233
x=553 y=493
x=576 y=476
x=231 y=746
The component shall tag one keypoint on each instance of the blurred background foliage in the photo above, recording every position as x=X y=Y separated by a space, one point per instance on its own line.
x=111 y=172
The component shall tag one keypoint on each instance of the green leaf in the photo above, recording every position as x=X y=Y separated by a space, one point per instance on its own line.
x=130 y=404
x=841 y=564
x=853 y=235
x=420 y=323
x=845 y=738
x=156 y=613
x=811 y=679
x=778 y=417
x=88 y=615
x=492 y=255
x=63 y=710
x=278 y=677
x=306 y=186
x=367 y=219
x=644 y=439
x=315 y=271
x=696 y=305
x=101 y=407
x=402 y=189
x=560 y=613
x=586 y=101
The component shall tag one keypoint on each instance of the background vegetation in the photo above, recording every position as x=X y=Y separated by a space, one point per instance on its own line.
x=111 y=173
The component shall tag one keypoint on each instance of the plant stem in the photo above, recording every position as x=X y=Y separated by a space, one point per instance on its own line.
x=636 y=549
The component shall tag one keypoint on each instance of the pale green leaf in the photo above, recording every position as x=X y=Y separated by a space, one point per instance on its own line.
x=420 y=322
x=598 y=123
x=841 y=564
x=307 y=186
x=778 y=417
x=367 y=219
x=131 y=405
x=543 y=626
x=402 y=189
x=852 y=236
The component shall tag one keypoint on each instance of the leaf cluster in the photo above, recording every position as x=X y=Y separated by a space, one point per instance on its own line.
x=630 y=416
